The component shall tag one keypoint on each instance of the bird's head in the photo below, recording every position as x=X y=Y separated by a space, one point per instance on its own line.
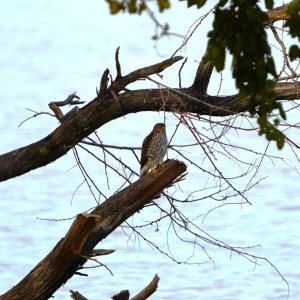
x=159 y=127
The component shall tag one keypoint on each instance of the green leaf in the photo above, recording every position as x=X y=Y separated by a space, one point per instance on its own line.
x=269 y=4
x=293 y=7
x=199 y=3
x=141 y=7
x=294 y=52
x=218 y=55
x=294 y=22
x=270 y=130
x=280 y=141
x=163 y=4
x=281 y=111
x=131 y=6
x=115 y=6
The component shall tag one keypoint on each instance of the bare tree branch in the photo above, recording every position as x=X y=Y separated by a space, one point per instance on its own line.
x=148 y=290
x=77 y=296
x=103 y=110
x=279 y=13
x=87 y=230
x=202 y=77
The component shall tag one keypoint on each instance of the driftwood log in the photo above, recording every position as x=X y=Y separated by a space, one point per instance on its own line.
x=87 y=230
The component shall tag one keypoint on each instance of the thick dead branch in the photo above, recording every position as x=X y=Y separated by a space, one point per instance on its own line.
x=279 y=13
x=103 y=109
x=59 y=114
x=287 y=91
x=77 y=296
x=57 y=111
x=54 y=106
x=67 y=257
x=148 y=290
x=124 y=295
x=202 y=77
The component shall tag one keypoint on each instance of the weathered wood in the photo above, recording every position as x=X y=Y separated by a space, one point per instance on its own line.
x=70 y=253
x=79 y=125
x=104 y=109
x=148 y=290
x=77 y=296
x=279 y=13
x=124 y=295
x=44 y=279
x=202 y=77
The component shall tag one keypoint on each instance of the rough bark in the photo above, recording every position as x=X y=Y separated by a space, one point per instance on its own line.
x=124 y=295
x=279 y=13
x=71 y=252
x=77 y=296
x=110 y=104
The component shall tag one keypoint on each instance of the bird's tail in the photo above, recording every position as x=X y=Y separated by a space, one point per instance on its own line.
x=144 y=170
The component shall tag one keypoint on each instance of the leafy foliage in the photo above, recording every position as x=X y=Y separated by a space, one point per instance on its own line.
x=238 y=28
x=269 y=4
x=294 y=24
x=134 y=6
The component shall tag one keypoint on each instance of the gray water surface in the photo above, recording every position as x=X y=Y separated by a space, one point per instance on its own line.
x=50 y=49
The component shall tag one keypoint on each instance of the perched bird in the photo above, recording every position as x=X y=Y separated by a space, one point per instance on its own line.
x=154 y=148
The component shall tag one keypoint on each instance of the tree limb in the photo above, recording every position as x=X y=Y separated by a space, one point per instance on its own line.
x=124 y=295
x=77 y=296
x=279 y=13
x=122 y=81
x=202 y=77
x=68 y=256
x=148 y=290
x=103 y=109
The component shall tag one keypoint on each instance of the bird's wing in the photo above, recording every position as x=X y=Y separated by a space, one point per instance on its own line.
x=145 y=146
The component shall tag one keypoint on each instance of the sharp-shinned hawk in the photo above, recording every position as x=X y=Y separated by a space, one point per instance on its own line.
x=154 y=148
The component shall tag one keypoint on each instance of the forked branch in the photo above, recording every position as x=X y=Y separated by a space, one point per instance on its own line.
x=103 y=109
x=122 y=81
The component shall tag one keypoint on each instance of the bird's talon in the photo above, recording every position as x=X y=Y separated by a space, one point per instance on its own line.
x=154 y=172
x=159 y=166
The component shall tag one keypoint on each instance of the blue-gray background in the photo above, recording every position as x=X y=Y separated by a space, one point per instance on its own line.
x=50 y=49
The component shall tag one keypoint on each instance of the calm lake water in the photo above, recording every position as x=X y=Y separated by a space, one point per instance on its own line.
x=50 y=49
